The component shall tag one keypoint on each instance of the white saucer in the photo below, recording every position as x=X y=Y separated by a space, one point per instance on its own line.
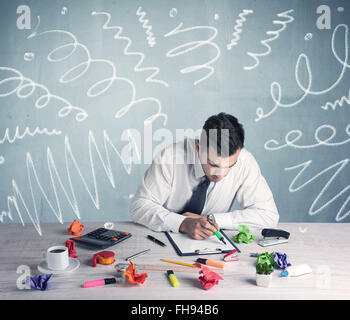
x=73 y=265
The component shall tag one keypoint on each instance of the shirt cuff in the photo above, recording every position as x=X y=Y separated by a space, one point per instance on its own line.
x=224 y=220
x=173 y=221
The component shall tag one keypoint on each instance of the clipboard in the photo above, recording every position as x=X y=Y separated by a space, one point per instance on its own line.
x=186 y=246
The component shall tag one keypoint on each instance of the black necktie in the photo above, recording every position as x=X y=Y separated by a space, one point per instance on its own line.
x=196 y=203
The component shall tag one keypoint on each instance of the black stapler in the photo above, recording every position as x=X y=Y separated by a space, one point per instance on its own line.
x=273 y=237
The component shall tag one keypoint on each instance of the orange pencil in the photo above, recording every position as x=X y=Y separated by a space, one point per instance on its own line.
x=178 y=262
x=208 y=262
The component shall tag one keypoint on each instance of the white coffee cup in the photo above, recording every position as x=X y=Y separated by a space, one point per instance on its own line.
x=57 y=257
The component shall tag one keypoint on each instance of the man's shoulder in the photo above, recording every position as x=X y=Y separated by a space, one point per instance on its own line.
x=245 y=156
x=247 y=161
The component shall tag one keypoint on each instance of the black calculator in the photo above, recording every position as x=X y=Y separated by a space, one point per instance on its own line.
x=101 y=238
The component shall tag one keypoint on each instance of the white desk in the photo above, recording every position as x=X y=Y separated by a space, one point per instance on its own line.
x=324 y=246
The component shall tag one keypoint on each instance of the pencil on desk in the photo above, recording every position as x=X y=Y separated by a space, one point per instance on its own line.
x=137 y=254
x=178 y=262
x=121 y=266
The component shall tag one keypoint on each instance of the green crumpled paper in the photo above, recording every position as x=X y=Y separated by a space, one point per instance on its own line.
x=243 y=235
x=267 y=258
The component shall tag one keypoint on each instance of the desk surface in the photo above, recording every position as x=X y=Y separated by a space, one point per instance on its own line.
x=324 y=246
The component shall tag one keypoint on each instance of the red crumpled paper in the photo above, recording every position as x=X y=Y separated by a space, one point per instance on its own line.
x=132 y=276
x=209 y=277
x=75 y=228
x=70 y=244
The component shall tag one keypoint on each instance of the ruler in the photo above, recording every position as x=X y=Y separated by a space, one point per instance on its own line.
x=149 y=267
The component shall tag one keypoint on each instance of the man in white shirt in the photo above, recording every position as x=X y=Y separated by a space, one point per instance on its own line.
x=191 y=179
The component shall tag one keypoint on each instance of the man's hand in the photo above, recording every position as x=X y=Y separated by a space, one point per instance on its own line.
x=197 y=226
x=192 y=215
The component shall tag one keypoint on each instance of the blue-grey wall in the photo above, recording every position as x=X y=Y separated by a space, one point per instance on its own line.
x=76 y=75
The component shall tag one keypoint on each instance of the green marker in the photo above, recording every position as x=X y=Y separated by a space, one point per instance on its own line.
x=211 y=220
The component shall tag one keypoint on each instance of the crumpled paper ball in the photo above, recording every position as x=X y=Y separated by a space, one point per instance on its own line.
x=243 y=235
x=75 y=228
x=281 y=260
x=209 y=278
x=40 y=282
x=133 y=277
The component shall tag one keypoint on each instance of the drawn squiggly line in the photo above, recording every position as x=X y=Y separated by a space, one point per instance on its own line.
x=238 y=28
x=192 y=45
x=100 y=86
x=339 y=166
x=27 y=132
x=275 y=86
x=25 y=83
x=338 y=102
x=290 y=141
x=275 y=34
x=55 y=179
x=150 y=37
x=118 y=36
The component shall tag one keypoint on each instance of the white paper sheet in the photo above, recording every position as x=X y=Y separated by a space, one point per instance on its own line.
x=188 y=245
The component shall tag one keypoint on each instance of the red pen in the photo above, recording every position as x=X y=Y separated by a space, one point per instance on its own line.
x=99 y=282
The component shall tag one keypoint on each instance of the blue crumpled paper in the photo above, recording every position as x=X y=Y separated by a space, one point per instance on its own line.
x=40 y=282
x=281 y=260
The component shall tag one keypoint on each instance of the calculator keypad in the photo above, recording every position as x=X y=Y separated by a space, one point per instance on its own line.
x=107 y=235
x=102 y=238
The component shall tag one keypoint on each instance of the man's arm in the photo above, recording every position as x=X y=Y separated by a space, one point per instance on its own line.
x=147 y=206
x=256 y=199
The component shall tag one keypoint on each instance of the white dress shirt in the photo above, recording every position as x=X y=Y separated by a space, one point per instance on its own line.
x=168 y=183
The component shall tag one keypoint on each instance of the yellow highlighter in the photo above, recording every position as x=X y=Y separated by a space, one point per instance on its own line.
x=173 y=279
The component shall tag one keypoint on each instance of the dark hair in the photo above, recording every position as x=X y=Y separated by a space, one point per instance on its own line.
x=229 y=133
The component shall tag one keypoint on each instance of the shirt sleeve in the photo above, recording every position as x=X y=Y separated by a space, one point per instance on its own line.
x=147 y=207
x=256 y=200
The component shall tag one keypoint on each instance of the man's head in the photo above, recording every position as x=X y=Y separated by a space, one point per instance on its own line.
x=220 y=143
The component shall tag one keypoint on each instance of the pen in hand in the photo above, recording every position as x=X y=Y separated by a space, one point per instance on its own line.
x=211 y=220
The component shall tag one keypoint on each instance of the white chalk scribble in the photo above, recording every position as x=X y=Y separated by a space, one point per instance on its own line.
x=238 y=28
x=173 y=13
x=16 y=200
x=28 y=56
x=119 y=36
x=151 y=40
x=275 y=34
x=26 y=87
x=193 y=45
x=26 y=132
x=338 y=167
x=295 y=135
x=308 y=36
x=64 y=51
x=337 y=103
x=276 y=90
